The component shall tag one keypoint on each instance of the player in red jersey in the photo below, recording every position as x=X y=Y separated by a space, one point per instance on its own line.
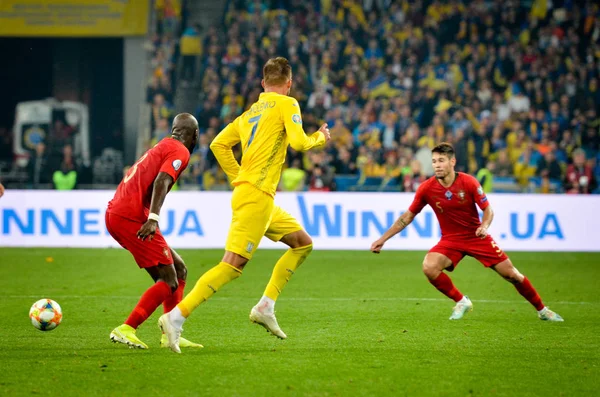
x=132 y=219
x=453 y=196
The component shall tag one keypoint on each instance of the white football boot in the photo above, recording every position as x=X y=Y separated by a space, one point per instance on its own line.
x=462 y=307
x=548 y=315
x=267 y=320
x=171 y=331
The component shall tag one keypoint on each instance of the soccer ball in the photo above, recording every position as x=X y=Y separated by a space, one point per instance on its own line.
x=45 y=314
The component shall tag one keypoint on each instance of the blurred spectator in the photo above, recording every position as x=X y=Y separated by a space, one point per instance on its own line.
x=503 y=166
x=485 y=176
x=413 y=179
x=391 y=169
x=292 y=178
x=169 y=14
x=158 y=86
x=160 y=110
x=423 y=156
x=319 y=101
x=341 y=136
x=161 y=131
x=549 y=167
x=39 y=168
x=368 y=166
x=579 y=176
x=190 y=49
x=343 y=164
x=61 y=134
x=526 y=166
x=65 y=178
x=320 y=180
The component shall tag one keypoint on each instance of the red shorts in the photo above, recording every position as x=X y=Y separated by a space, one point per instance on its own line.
x=485 y=250
x=146 y=253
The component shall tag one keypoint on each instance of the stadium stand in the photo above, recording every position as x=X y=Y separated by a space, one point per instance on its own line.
x=514 y=88
x=513 y=85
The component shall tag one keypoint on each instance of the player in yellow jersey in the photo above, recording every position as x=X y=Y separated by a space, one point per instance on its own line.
x=264 y=131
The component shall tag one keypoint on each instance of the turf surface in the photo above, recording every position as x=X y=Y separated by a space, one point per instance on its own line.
x=357 y=324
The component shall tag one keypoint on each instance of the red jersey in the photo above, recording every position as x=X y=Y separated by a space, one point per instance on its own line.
x=454 y=206
x=134 y=194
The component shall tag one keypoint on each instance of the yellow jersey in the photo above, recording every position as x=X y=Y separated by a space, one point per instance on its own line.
x=264 y=131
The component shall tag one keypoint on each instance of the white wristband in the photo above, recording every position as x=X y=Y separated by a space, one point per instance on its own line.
x=153 y=216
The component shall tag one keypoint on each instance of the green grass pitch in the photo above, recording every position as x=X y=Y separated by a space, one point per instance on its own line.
x=357 y=324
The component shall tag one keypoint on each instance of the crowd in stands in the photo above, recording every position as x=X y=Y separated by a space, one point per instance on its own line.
x=164 y=55
x=515 y=89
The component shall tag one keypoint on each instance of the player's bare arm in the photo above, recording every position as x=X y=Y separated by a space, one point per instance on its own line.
x=162 y=184
x=404 y=220
x=488 y=216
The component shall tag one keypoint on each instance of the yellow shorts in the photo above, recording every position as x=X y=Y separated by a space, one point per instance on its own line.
x=255 y=215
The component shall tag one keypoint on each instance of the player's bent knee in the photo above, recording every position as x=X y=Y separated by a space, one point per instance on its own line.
x=235 y=260
x=306 y=249
x=297 y=239
x=432 y=268
x=182 y=273
x=172 y=283
x=305 y=240
x=429 y=269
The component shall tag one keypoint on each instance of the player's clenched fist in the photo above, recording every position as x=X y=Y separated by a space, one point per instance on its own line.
x=377 y=246
x=325 y=130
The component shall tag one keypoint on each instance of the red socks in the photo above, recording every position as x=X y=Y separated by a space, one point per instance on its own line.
x=445 y=286
x=172 y=301
x=151 y=299
x=526 y=289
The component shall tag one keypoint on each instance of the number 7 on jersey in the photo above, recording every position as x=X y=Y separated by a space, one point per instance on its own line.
x=254 y=127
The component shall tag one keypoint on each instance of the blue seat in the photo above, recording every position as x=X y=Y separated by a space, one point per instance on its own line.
x=373 y=181
x=345 y=182
x=505 y=184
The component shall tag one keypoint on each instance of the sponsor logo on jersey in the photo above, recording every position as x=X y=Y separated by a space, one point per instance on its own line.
x=297 y=119
x=249 y=247
x=176 y=164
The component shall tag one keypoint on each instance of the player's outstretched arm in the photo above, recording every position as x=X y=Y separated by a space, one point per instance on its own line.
x=162 y=184
x=404 y=220
x=488 y=216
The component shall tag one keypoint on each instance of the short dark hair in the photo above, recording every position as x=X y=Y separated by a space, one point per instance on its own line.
x=444 y=148
x=277 y=71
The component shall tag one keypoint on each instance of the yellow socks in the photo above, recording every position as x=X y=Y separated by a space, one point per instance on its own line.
x=284 y=268
x=215 y=278
x=207 y=285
